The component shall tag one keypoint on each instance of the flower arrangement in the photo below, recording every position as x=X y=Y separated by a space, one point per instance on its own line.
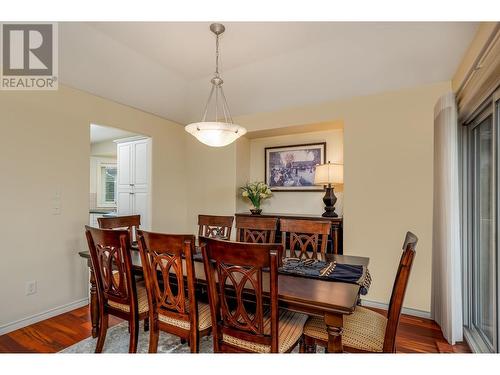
x=256 y=192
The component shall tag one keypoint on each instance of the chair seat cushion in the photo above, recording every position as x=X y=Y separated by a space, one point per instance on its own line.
x=204 y=318
x=364 y=329
x=290 y=328
x=142 y=301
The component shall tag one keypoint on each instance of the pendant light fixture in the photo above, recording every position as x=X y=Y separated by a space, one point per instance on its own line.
x=221 y=131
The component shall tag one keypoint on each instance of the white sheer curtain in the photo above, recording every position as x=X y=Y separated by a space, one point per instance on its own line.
x=446 y=304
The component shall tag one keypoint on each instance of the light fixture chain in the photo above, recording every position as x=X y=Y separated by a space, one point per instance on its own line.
x=217 y=55
x=217 y=103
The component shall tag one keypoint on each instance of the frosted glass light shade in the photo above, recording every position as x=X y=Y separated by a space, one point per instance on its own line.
x=215 y=134
x=329 y=174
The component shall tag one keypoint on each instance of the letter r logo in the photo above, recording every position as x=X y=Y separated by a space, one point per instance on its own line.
x=27 y=49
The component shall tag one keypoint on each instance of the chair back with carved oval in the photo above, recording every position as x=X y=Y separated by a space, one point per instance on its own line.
x=399 y=291
x=166 y=259
x=215 y=226
x=112 y=265
x=130 y=223
x=304 y=238
x=256 y=230
x=234 y=273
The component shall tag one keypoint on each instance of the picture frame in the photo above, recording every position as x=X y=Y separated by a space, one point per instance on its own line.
x=291 y=168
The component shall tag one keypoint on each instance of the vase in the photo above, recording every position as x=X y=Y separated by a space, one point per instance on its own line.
x=256 y=211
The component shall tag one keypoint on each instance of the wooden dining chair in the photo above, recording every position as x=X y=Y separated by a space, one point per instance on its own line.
x=173 y=307
x=304 y=238
x=241 y=323
x=256 y=230
x=365 y=330
x=130 y=223
x=215 y=226
x=117 y=291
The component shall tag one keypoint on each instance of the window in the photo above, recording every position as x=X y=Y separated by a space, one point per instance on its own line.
x=480 y=220
x=106 y=185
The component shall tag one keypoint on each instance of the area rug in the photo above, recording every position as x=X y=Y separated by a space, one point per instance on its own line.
x=117 y=340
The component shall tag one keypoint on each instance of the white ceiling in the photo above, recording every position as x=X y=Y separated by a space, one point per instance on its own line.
x=100 y=133
x=165 y=68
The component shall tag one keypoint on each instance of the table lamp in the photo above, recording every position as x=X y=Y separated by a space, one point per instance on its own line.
x=327 y=175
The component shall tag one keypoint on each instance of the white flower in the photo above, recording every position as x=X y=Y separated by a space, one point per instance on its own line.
x=256 y=191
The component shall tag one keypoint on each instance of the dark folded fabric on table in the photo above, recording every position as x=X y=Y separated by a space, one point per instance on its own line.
x=348 y=273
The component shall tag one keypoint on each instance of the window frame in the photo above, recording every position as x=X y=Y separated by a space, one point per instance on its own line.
x=490 y=107
x=101 y=202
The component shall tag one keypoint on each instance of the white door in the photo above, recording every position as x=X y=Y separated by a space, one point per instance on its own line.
x=134 y=178
x=124 y=203
x=124 y=167
x=141 y=207
x=140 y=165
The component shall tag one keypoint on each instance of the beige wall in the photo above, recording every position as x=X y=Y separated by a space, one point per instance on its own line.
x=211 y=179
x=296 y=202
x=45 y=152
x=388 y=166
x=106 y=148
x=243 y=166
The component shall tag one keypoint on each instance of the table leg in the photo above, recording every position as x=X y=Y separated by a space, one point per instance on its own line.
x=334 y=327
x=94 y=305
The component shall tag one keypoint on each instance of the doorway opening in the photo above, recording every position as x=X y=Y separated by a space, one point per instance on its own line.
x=120 y=174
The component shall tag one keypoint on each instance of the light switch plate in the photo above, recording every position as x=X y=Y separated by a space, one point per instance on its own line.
x=30 y=287
x=56 y=204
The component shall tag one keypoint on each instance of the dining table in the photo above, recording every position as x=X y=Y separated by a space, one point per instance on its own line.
x=331 y=300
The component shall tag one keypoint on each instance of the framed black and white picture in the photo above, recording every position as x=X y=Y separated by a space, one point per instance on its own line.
x=291 y=168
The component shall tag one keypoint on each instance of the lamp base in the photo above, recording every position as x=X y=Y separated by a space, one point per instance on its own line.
x=330 y=214
x=329 y=200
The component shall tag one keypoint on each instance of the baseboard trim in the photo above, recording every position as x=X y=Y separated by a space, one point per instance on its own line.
x=21 y=323
x=406 y=310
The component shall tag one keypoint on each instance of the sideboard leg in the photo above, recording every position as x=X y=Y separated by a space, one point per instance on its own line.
x=335 y=235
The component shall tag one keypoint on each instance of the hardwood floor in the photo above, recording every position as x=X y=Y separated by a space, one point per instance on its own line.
x=419 y=335
x=415 y=335
x=51 y=335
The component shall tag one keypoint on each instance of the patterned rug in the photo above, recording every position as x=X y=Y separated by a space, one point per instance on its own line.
x=117 y=340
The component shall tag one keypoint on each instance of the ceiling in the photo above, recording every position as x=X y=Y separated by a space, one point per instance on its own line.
x=100 y=133
x=165 y=68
